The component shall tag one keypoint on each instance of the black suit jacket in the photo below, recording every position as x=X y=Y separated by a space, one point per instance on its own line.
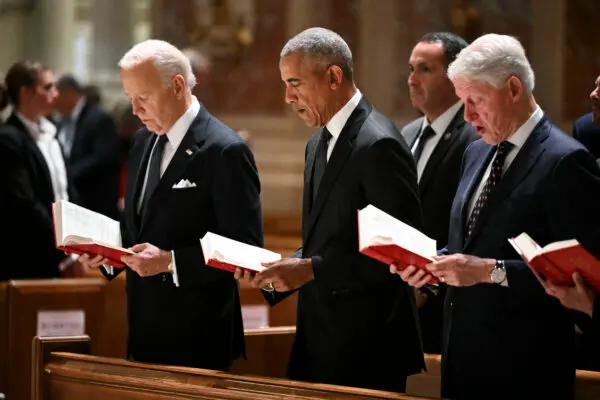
x=588 y=134
x=95 y=161
x=517 y=341
x=198 y=324
x=437 y=188
x=357 y=323
x=28 y=246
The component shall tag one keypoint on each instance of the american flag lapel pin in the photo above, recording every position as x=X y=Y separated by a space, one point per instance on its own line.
x=188 y=152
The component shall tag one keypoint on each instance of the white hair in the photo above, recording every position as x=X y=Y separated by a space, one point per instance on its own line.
x=493 y=58
x=198 y=61
x=323 y=45
x=168 y=60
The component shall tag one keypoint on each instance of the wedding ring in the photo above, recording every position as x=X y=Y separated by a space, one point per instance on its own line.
x=269 y=288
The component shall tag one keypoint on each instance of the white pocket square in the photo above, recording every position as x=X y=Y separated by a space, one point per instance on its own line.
x=184 y=183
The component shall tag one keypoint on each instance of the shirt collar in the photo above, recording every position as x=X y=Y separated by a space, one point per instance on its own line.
x=36 y=130
x=520 y=136
x=77 y=109
x=338 y=121
x=180 y=127
x=441 y=123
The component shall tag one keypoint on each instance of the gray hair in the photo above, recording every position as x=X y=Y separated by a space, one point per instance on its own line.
x=323 y=45
x=493 y=58
x=198 y=61
x=167 y=59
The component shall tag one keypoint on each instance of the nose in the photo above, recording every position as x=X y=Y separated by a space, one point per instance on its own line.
x=412 y=79
x=470 y=113
x=136 y=107
x=290 y=96
x=595 y=95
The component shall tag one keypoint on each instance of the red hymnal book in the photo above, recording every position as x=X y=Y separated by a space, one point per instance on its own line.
x=557 y=261
x=392 y=241
x=78 y=230
x=228 y=254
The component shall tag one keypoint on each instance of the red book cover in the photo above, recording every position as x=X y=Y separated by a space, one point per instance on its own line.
x=386 y=239
x=94 y=249
x=212 y=262
x=559 y=260
x=84 y=225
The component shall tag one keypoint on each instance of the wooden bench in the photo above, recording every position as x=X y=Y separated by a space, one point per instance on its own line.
x=20 y=305
x=60 y=374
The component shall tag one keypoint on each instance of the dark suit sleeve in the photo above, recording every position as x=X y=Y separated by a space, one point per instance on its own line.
x=124 y=239
x=389 y=181
x=237 y=208
x=576 y=135
x=18 y=197
x=572 y=206
x=106 y=149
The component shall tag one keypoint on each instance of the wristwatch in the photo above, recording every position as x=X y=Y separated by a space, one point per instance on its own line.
x=498 y=274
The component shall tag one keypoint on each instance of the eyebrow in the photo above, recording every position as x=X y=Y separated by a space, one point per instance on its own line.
x=293 y=80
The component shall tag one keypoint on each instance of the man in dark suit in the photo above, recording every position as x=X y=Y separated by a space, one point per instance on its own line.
x=355 y=325
x=32 y=177
x=437 y=141
x=587 y=128
x=188 y=173
x=504 y=337
x=92 y=148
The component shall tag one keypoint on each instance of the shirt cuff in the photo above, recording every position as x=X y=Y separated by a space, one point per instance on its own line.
x=174 y=270
x=110 y=270
x=505 y=282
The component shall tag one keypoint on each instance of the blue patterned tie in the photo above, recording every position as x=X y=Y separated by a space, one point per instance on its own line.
x=502 y=151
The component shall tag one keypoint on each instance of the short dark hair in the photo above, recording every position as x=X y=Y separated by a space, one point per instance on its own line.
x=68 y=82
x=22 y=73
x=452 y=44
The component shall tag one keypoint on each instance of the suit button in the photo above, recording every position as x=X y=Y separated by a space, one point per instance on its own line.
x=451 y=304
x=164 y=277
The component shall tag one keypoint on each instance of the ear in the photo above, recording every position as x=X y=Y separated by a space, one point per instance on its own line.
x=335 y=77
x=178 y=85
x=515 y=88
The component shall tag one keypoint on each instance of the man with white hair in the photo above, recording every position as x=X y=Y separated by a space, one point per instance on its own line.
x=356 y=325
x=504 y=337
x=188 y=173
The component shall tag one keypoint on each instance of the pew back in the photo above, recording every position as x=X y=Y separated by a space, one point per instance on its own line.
x=24 y=300
x=67 y=375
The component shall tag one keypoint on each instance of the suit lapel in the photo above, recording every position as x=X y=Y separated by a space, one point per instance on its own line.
x=34 y=150
x=185 y=153
x=339 y=156
x=449 y=137
x=413 y=132
x=307 y=201
x=516 y=173
x=479 y=169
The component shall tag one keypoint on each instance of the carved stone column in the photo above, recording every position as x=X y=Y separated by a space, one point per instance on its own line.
x=112 y=36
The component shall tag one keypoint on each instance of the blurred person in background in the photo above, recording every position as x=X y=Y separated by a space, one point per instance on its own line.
x=32 y=176
x=91 y=146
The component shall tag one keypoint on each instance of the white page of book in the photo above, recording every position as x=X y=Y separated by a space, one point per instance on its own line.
x=376 y=227
x=237 y=253
x=81 y=222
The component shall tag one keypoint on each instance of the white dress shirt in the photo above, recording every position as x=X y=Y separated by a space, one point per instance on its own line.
x=174 y=137
x=44 y=135
x=439 y=126
x=338 y=121
x=66 y=135
x=518 y=140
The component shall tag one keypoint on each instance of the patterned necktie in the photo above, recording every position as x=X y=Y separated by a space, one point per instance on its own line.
x=153 y=170
x=320 y=161
x=426 y=134
x=502 y=151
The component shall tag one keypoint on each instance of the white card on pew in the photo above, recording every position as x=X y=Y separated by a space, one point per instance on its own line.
x=61 y=323
x=228 y=254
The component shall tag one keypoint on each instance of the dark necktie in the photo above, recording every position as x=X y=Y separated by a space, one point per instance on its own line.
x=320 y=161
x=426 y=134
x=153 y=170
x=502 y=151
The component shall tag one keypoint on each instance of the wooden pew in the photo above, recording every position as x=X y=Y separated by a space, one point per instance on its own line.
x=66 y=375
x=20 y=305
